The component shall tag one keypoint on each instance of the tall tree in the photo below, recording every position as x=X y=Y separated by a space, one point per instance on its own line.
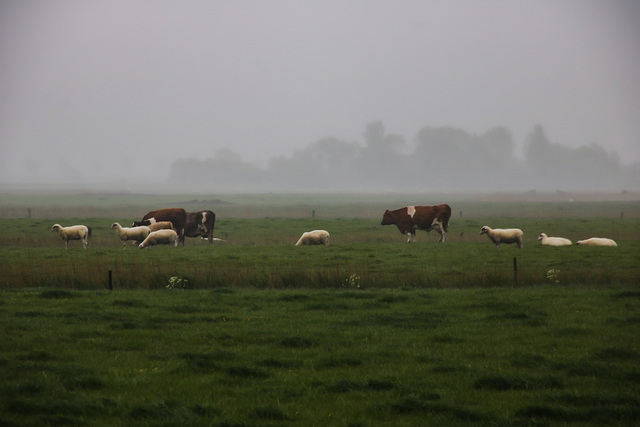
x=381 y=163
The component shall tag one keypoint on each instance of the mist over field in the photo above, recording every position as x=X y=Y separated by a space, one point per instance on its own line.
x=314 y=96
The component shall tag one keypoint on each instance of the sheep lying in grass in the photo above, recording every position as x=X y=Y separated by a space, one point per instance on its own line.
x=315 y=237
x=553 y=241
x=160 y=237
x=75 y=232
x=597 y=241
x=508 y=235
x=131 y=233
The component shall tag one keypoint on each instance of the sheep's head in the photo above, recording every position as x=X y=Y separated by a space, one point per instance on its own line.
x=56 y=227
x=484 y=230
x=114 y=225
x=542 y=236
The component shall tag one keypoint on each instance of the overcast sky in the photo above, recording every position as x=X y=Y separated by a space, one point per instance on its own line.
x=122 y=88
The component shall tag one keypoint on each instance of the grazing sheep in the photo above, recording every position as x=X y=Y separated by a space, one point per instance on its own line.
x=160 y=237
x=75 y=232
x=553 y=241
x=315 y=237
x=597 y=241
x=131 y=233
x=508 y=235
x=162 y=225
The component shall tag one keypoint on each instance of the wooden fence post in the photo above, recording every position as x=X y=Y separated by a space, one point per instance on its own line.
x=515 y=271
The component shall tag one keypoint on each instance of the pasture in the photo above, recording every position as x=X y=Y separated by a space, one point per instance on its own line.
x=366 y=331
x=260 y=232
x=500 y=356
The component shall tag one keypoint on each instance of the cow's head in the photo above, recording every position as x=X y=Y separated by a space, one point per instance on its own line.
x=387 y=218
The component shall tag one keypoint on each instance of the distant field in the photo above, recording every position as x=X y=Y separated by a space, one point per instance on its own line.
x=260 y=231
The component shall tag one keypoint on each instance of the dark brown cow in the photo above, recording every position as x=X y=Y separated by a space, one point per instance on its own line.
x=177 y=216
x=412 y=218
x=200 y=224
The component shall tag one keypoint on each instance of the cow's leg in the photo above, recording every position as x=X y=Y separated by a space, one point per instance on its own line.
x=437 y=225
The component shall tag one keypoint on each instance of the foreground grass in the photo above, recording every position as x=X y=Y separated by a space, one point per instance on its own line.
x=527 y=356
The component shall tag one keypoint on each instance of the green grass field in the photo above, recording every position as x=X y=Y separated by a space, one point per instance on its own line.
x=366 y=331
x=500 y=356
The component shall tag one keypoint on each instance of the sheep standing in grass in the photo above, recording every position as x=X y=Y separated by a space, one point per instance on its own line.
x=597 y=241
x=161 y=225
x=315 y=237
x=131 y=233
x=75 y=232
x=553 y=241
x=508 y=235
x=160 y=237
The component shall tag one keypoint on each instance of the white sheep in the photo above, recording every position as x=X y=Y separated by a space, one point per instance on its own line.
x=597 y=241
x=315 y=237
x=160 y=237
x=508 y=235
x=161 y=225
x=75 y=232
x=553 y=241
x=131 y=233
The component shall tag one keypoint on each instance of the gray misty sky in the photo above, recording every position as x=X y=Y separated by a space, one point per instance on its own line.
x=118 y=89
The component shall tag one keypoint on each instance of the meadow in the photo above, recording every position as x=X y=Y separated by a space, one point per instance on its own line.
x=259 y=232
x=366 y=331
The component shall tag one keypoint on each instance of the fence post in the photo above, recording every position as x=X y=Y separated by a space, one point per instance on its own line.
x=29 y=213
x=313 y=214
x=110 y=281
x=515 y=271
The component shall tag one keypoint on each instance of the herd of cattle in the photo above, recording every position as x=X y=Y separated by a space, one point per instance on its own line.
x=172 y=225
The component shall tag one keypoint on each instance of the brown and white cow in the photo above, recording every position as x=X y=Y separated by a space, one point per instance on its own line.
x=412 y=218
x=200 y=224
x=177 y=216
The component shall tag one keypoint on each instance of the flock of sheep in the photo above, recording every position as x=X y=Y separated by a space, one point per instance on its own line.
x=155 y=234
x=159 y=233
x=163 y=233
x=514 y=235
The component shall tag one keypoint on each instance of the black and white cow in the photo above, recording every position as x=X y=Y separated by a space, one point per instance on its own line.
x=200 y=224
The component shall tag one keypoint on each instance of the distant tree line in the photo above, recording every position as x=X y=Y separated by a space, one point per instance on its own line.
x=440 y=159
